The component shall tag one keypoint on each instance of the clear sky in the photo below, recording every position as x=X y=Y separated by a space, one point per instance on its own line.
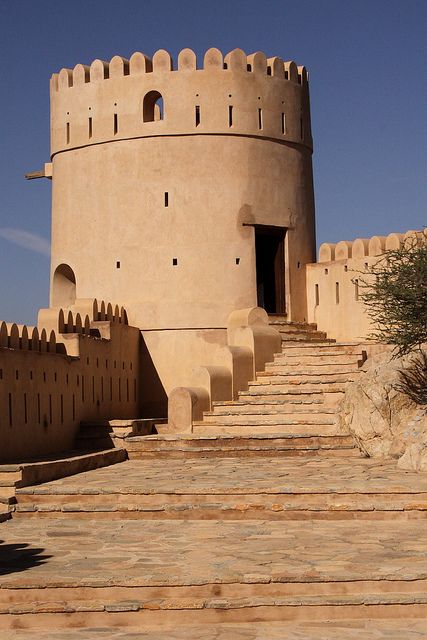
x=367 y=61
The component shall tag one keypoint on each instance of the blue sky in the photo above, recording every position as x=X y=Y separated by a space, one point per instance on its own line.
x=367 y=61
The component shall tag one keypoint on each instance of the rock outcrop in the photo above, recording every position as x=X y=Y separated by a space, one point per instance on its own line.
x=384 y=421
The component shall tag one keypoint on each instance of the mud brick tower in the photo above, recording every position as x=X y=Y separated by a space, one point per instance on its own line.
x=186 y=194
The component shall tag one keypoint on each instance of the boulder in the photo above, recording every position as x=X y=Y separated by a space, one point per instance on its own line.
x=384 y=421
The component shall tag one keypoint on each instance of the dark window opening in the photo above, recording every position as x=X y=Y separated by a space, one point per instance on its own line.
x=166 y=199
x=197 y=115
x=269 y=70
x=337 y=292
x=118 y=264
x=68 y=133
x=248 y=67
x=283 y=124
x=259 y=118
x=316 y=293
x=237 y=260
x=153 y=107
x=230 y=115
x=174 y=261
x=116 y=124
x=270 y=268
x=90 y=127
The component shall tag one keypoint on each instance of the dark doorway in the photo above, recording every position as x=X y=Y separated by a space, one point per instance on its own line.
x=270 y=268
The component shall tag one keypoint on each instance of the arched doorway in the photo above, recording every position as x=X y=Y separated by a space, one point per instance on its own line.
x=63 y=287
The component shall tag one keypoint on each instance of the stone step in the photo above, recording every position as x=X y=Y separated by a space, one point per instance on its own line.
x=296 y=337
x=214 y=506
x=102 y=573
x=299 y=377
x=269 y=488
x=322 y=348
x=344 y=629
x=266 y=409
x=247 y=429
x=268 y=387
x=298 y=369
x=297 y=401
x=255 y=444
x=292 y=419
x=331 y=359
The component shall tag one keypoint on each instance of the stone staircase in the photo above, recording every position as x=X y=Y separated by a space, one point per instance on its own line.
x=263 y=523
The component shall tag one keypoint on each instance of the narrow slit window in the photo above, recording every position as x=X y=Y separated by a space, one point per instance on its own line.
x=166 y=198
x=116 y=124
x=237 y=260
x=90 y=127
x=197 y=115
x=337 y=292
x=301 y=126
x=10 y=410
x=83 y=388
x=356 y=290
x=74 y=407
x=25 y=409
x=62 y=409
x=316 y=294
x=111 y=388
x=68 y=132
x=118 y=264
x=127 y=389
x=174 y=261
x=102 y=388
x=38 y=409
x=230 y=115
x=93 y=389
x=283 y=124
x=50 y=408
x=259 y=118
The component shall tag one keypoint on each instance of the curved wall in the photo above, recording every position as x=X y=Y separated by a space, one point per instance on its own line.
x=232 y=150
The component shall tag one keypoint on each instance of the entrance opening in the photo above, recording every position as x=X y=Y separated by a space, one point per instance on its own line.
x=270 y=268
x=63 y=286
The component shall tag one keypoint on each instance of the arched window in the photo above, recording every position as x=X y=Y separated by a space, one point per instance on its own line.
x=63 y=286
x=152 y=109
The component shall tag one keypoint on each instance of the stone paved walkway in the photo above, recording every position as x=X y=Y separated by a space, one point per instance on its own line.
x=186 y=552
x=230 y=475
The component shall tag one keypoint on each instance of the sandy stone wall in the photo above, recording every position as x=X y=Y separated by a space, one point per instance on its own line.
x=334 y=283
x=87 y=372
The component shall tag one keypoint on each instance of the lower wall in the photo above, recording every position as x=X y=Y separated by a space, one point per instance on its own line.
x=44 y=396
x=334 y=298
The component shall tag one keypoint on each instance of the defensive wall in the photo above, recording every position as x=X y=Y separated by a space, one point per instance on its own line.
x=85 y=368
x=170 y=172
x=335 y=283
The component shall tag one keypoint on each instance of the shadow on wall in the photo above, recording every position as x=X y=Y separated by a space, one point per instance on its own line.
x=154 y=400
x=19 y=557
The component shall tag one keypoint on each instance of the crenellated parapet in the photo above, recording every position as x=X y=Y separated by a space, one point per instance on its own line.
x=368 y=247
x=85 y=368
x=236 y=93
x=335 y=283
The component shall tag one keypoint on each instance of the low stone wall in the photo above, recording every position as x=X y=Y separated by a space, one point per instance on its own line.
x=334 y=291
x=89 y=372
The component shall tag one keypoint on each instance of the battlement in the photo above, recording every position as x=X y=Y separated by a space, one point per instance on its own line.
x=145 y=97
x=139 y=63
x=368 y=247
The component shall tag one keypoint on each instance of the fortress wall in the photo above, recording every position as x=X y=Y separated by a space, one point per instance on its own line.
x=45 y=392
x=334 y=283
x=232 y=151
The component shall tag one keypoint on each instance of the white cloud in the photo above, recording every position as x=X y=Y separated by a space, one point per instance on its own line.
x=25 y=239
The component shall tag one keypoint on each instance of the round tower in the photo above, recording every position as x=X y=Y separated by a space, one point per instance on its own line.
x=182 y=194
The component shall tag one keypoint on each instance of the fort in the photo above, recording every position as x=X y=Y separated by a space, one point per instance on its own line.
x=182 y=192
